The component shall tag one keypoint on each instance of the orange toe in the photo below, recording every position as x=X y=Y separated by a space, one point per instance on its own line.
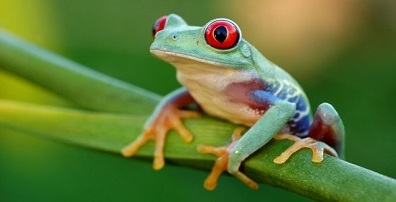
x=221 y=163
x=317 y=148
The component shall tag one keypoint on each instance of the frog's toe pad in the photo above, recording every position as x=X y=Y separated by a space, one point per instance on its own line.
x=317 y=148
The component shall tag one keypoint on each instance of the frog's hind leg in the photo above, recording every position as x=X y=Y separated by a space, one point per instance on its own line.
x=326 y=135
x=327 y=127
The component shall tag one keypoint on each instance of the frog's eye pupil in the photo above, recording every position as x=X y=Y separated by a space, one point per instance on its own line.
x=159 y=25
x=222 y=34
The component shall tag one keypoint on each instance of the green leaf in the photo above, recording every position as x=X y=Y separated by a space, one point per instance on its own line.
x=333 y=179
x=83 y=86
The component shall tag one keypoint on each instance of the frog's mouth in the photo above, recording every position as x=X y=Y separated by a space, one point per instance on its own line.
x=179 y=58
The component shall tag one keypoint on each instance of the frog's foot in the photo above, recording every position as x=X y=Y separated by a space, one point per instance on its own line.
x=221 y=163
x=157 y=128
x=317 y=148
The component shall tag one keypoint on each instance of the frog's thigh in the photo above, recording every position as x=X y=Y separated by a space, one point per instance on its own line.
x=328 y=127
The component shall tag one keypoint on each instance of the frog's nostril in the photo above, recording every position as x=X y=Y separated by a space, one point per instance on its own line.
x=174 y=37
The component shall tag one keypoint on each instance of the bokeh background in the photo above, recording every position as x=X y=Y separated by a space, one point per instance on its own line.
x=341 y=51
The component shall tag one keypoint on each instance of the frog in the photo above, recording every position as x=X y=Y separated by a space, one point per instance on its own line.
x=226 y=77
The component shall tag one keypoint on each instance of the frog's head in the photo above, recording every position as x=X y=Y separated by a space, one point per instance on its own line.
x=218 y=43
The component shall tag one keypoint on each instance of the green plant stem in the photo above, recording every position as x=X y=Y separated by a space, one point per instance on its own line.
x=333 y=179
x=86 y=88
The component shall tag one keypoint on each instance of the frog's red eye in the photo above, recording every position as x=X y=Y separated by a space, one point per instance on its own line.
x=222 y=34
x=159 y=24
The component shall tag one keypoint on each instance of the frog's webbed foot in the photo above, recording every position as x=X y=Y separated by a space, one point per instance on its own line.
x=221 y=162
x=317 y=148
x=326 y=135
x=157 y=128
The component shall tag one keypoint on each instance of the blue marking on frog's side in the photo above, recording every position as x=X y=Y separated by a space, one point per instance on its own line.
x=299 y=125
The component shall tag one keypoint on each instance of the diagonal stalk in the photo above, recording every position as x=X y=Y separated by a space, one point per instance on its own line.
x=333 y=179
x=86 y=88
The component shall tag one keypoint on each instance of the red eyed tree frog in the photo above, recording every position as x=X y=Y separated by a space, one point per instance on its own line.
x=229 y=79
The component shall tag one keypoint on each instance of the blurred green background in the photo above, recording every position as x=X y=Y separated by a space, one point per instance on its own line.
x=341 y=51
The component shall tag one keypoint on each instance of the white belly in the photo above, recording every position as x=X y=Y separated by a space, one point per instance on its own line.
x=208 y=87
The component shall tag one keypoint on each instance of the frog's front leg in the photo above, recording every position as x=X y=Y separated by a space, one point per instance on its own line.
x=261 y=133
x=167 y=115
x=273 y=120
